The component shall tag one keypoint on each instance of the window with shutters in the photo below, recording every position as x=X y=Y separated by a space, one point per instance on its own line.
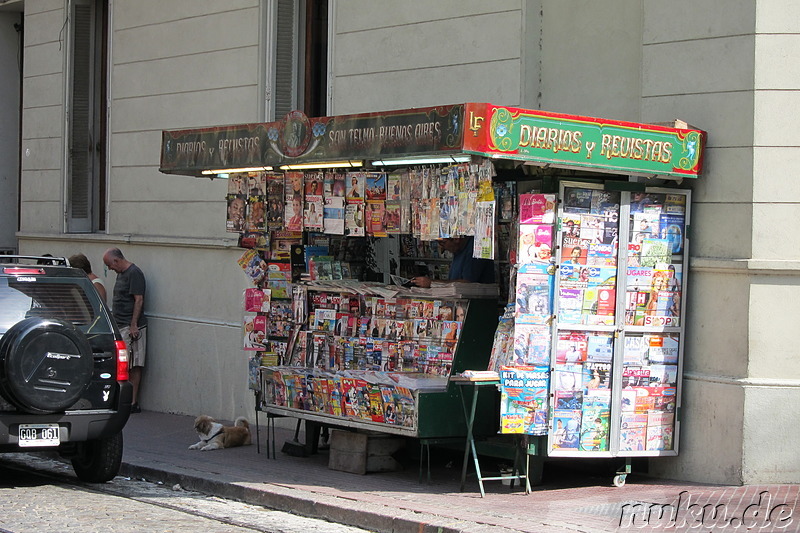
x=86 y=116
x=300 y=70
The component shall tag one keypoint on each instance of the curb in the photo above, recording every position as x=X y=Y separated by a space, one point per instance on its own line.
x=355 y=513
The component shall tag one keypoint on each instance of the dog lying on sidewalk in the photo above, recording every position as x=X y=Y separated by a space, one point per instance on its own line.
x=215 y=436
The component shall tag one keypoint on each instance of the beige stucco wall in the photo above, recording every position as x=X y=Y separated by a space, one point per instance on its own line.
x=591 y=56
x=397 y=55
x=171 y=68
x=727 y=69
x=10 y=46
x=722 y=65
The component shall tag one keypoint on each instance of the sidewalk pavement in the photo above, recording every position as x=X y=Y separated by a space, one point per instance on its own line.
x=156 y=448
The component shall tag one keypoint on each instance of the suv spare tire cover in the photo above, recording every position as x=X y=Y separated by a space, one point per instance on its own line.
x=45 y=365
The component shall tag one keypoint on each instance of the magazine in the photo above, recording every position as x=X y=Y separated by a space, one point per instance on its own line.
x=313 y=212
x=672 y=230
x=354 y=220
x=660 y=430
x=237 y=213
x=531 y=345
x=533 y=293
x=523 y=399
x=484 y=231
x=355 y=183
x=253 y=265
x=256 y=219
x=376 y=186
x=503 y=344
x=537 y=208
x=655 y=251
x=257 y=240
x=594 y=428
x=275 y=200
x=570 y=302
x=254 y=332
x=571 y=347
x=568 y=377
x=338 y=187
x=568 y=399
x=333 y=215
x=592 y=228
x=566 y=429
x=293 y=201
x=662 y=348
x=574 y=250
x=633 y=432
x=535 y=243
x=257 y=300
x=577 y=200
x=600 y=347
x=393 y=218
x=375 y=218
x=596 y=375
x=236 y=183
x=395 y=183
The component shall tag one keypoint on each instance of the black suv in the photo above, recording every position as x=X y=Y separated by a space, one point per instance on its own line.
x=63 y=367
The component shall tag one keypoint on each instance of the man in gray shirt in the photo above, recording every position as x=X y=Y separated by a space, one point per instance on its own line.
x=128 y=310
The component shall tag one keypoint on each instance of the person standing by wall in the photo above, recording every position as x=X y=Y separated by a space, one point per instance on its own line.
x=82 y=262
x=128 y=310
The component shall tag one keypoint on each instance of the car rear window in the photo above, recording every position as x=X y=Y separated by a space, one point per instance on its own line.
x=62 y=298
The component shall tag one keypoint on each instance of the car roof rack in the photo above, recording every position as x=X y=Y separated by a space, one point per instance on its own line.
x=40 y=259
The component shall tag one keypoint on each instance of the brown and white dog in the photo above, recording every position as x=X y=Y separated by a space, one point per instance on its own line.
x=214 y=436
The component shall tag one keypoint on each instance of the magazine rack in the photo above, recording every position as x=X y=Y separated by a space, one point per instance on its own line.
x=617 y=360
x=437 y=414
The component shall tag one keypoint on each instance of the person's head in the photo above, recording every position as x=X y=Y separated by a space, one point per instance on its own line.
x=296 y=204
x=297 y=181
x=46 y=261
x=461 y=313
x=660 y=280
x=354 y=181
x=544 y=252
x=575 y=254
x=314 y=187
x=236 y=208
x=80 y=261
x=114 y=260
x=453 y=244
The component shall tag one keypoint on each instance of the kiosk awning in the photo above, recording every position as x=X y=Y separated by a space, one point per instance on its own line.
x=437 y=134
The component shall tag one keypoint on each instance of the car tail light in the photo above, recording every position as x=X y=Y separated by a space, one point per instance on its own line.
x=23 y=271
x=122 y=361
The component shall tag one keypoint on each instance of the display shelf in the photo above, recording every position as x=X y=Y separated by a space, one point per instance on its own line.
x=618 y=342
x=437 y=413
x=325 y=419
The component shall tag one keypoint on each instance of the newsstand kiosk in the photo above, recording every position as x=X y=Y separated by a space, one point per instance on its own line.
x=588 y=233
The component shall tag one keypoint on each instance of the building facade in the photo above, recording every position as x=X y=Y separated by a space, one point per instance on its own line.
x=90 y=84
